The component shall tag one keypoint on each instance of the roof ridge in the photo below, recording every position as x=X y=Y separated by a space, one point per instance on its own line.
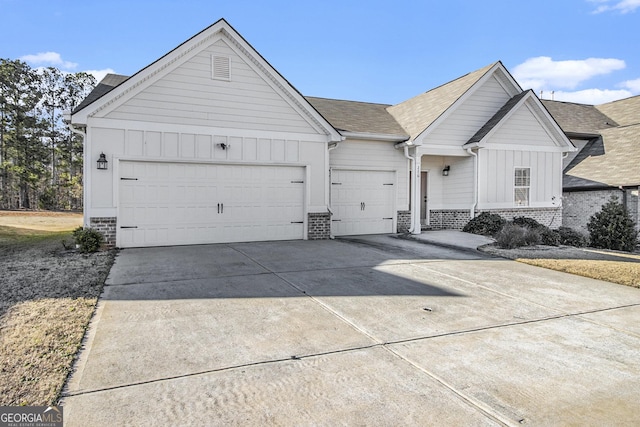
x=348 y=100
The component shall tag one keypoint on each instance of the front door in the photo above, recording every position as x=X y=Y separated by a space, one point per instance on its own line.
x=424 y=217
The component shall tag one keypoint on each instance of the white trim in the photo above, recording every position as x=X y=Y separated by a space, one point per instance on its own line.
x=441 y=150
x=202 y=130
x=375 y=136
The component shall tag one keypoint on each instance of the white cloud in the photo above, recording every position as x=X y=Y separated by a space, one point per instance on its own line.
x=49 y=59
x=632 y=85
x=542 y=72
x=622 y=6
x=100 y=74
x=588 y=96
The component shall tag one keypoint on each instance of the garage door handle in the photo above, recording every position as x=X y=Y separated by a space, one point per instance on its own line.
x=297 y=222
x=297 y=182
x=128 y=226
x=221 y=207
x=388 y=218
x=128 y=179
x=336 y=220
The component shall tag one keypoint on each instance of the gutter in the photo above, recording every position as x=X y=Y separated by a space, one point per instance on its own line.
x=413 y=166
x=330 y=147
x=85 y=163
x=375 y=136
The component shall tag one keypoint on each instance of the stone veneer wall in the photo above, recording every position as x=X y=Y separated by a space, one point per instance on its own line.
x=579 y=206
x=319 y=226
x=403 y=222
x=106 y=226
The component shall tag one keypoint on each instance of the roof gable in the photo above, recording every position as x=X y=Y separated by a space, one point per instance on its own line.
x=524 y=121
x=224 y=36
x=423 y=112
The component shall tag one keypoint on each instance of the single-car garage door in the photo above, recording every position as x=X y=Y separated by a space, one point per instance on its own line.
x=362 y=202
x=183 y=203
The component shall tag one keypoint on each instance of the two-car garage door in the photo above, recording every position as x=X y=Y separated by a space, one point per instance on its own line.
x=184 y=203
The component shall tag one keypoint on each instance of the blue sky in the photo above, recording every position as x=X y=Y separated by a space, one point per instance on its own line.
x=375 y=51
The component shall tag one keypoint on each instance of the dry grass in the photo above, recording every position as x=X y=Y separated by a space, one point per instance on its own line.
x=47 y=296
x=610 y=266
x=624 y=273
x=33 y=221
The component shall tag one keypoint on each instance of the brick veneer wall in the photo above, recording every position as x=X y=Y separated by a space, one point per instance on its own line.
x=579 y=206
x=449 y=219
x=319 y=226
x=551 y=217
x=403 y=222
x=106 y=226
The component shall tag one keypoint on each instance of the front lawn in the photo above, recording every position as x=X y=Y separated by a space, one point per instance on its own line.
x=47 y=297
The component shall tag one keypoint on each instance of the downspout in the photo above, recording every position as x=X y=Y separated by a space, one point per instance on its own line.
x=472 y=212
x=412 y=187
x=331 y=147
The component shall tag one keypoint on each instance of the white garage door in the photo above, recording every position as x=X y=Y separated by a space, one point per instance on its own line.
x=362 y=202
x=180 y=204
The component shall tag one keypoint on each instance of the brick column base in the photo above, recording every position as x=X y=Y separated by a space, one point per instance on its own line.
x=106 y=226
x=319 y=226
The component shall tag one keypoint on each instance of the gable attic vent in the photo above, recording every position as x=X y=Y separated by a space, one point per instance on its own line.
x=221 y=67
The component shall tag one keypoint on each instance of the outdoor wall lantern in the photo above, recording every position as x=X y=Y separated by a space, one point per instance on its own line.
x=445 y=171
x=102 y=162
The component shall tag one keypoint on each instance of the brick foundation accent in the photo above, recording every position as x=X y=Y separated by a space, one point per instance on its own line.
x=448 y=219
x=403 y=222
x=551 y=217
x=319 y=226
x=106 y=226
x=579 y=206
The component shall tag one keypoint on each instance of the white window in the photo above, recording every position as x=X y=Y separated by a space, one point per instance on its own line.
x=522 y=185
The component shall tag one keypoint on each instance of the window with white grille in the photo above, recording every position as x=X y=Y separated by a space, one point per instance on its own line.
x=220 y=67
x=522 y=186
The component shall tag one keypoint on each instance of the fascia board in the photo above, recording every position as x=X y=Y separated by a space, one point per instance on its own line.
x=375 y=136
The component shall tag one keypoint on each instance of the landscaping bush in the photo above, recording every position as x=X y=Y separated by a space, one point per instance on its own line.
x=570 y=237
x=487 y=224
x=547 y=236
x=88 y=239
x=612 y=228
x=513 y=236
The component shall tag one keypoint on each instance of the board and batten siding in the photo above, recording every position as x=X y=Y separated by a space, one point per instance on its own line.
x=470 y=116
x=496 y=177
x=449 y=192
x=168 y=146
x=374 y=155
x=188 y=95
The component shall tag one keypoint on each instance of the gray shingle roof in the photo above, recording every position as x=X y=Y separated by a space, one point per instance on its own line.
x=353 y=116
x=417 y=113
x=578 y=118
x=625 y=111
x=613 y=160
x=105 y=86
x=500 y=114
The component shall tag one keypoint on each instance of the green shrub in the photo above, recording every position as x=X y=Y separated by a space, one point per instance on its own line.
x=570 y=237
x=513 y=236
x=612 y=228
x=547 y=236
x=88 y=239
x=487 y=224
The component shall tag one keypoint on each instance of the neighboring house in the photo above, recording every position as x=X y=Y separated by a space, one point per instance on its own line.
x=211 y=144
x=608 y=161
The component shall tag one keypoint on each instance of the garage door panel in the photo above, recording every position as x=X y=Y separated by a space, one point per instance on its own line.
x=201 y=203
x=362 y=202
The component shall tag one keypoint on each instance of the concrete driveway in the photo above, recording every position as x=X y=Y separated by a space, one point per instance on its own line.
x=371 y=331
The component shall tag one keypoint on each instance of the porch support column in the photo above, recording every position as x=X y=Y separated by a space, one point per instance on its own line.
x=416 y=226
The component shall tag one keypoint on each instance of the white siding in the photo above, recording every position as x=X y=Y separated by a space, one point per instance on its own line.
x=449 y=192
x=138 y=144
x=522 y=128
x=475 y=111
x=496 y=177
x=189 y=95
x=372 y=155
